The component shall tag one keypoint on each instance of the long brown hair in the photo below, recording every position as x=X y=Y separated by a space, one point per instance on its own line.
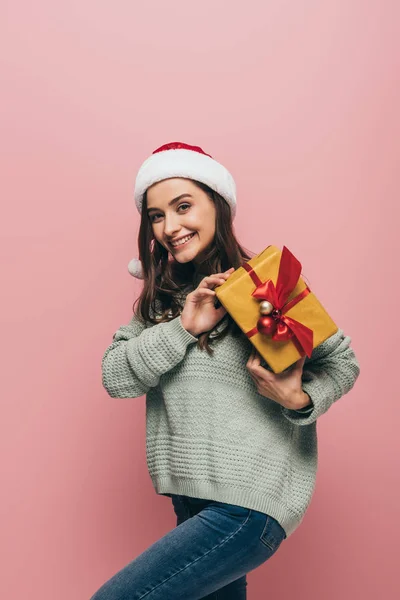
x=165 y=279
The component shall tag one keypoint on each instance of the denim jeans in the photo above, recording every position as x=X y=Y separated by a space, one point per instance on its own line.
x=206 y=556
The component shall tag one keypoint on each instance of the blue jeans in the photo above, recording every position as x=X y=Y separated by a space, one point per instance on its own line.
x=206 y=556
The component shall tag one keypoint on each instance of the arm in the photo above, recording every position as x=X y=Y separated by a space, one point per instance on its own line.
x=328 y=375
x=139 y=355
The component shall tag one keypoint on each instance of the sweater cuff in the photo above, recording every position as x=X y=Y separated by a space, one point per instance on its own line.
x=178 y=334
x=158 y=349
x=315 y=389
x=301 y=415
x=306 y=409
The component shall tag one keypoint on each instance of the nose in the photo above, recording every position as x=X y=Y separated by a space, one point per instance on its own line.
x=171 y=225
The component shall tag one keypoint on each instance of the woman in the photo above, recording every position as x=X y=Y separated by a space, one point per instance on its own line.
x=233 y=444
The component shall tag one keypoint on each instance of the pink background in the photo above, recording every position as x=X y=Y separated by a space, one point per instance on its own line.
x=300 y=101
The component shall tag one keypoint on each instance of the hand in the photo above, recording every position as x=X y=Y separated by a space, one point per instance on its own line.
x=199 y=313
x=284 y=388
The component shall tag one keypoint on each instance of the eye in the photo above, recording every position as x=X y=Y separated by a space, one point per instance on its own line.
x=155 y=215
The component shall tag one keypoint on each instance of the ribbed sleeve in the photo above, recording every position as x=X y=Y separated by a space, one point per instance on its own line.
x=328 y=375
x=139 y=355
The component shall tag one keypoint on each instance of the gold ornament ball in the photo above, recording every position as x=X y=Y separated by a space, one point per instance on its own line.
x=266 y=307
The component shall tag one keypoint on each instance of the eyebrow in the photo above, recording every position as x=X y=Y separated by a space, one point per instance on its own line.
x=171 y=202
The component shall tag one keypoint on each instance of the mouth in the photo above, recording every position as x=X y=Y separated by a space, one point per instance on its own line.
x=183 y=244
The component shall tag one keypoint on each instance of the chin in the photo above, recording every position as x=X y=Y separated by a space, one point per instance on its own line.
x=188 y=258
x=182 y=259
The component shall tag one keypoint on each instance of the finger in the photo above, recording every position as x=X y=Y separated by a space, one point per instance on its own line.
x=255 y=381
x=205 y=292
x=261 y=373
x=227 y=271
x=256 y=357
x=254 y=377
x=250 y=358
x=254 y=367
x=212 y=281
x=300 y=363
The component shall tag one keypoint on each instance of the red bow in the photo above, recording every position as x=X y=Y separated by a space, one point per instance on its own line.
x=286 y=327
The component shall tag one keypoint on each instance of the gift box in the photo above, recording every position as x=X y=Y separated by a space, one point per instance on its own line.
x=275 y=308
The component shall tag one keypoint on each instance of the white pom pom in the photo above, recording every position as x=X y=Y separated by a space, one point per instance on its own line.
x=135 y=268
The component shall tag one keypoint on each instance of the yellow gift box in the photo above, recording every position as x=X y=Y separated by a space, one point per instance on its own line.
x=275 y=308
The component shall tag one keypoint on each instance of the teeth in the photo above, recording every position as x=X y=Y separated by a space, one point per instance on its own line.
x=183 y=240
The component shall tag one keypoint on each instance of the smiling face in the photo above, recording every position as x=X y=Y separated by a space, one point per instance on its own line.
x=178 y=208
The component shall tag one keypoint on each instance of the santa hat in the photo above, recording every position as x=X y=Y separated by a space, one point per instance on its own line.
x=178 y=159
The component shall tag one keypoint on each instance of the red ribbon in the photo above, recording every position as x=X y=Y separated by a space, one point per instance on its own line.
x=287 y=328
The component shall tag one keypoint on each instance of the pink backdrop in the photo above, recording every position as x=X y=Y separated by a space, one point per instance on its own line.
x=300 y=101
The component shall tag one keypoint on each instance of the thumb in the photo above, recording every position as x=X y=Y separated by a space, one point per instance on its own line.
x=300 y=363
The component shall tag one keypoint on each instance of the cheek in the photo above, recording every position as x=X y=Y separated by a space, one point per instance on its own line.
x=192 y=220
x=203 y=223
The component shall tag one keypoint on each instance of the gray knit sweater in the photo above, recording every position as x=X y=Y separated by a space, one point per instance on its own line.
x=209 y=433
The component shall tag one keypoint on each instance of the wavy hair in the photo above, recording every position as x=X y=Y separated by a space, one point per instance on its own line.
x=166 y=279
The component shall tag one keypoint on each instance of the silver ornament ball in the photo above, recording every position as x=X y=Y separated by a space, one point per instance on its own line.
x=266 y=307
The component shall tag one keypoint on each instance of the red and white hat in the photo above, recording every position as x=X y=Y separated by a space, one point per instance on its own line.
x=178 y=159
